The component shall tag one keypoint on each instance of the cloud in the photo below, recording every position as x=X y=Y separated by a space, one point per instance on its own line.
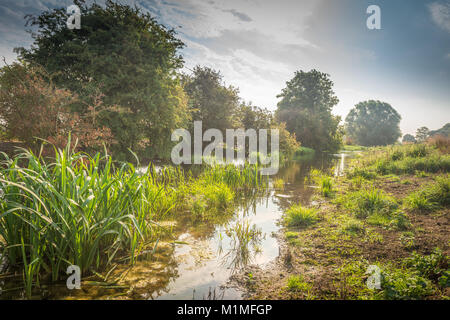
x=239 y=15
x=440 y=13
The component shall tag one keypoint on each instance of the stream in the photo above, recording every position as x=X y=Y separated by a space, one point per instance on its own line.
x=200 y=262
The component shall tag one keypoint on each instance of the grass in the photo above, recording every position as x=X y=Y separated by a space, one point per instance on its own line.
x=406 y=159
x=304 y=152
x=278 y=184
x=91 y=211
x=324 y=182
x=430 y=197
x=298 y=284
x=353 y=148
x=297 y=216
x=368 y=202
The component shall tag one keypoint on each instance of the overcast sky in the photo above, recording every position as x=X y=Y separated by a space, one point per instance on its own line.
x=259 y=44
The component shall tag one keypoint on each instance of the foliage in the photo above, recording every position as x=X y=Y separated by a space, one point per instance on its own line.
x=422 y=134
x=444 y=131
x=373 y=123
x=431 y=196
x=298 y=284
x=409 y=138
x=126 y=55
x=297 y=216
x=32 y=107
x=432 y=266
x=369 y=202
x=210 y=100
x=306 y=105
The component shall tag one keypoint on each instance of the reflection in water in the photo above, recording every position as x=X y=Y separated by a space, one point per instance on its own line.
x=244 y=245
x=205 y=254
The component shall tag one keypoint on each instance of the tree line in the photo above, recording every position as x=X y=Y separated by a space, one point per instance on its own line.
x=116 y=83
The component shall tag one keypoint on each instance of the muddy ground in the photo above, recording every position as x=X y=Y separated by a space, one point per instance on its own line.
x=323 y=256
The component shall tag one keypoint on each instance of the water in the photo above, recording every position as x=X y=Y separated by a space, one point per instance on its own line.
x=199 y=263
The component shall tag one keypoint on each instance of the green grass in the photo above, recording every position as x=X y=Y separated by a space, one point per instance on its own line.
x=278 y=184
x=298 y=284
x=368 y=202
x=354 y=227
x=406 y=159
x=353 y=148
x=430 y=197
x=297 y=216
x=91 y=211
x=304 y=152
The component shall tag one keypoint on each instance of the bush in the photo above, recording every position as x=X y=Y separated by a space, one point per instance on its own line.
x=297 y=216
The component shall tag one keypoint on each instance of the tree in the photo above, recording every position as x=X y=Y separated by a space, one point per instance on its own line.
x=373 y=123
x=210 y=100
x=422 y=134
x=252 y=117
x=409 y=138
x=129 y=57
x=32 y=107
x=306 y=105
x=444 y=131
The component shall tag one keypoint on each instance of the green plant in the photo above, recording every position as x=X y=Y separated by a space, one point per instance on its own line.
x=298 y=284
x=326 y=186
x=278 y=184
x=420 y=202
x=431 y=266
x=354 y=227
x=373 y=201
x=404 y=284
x=297 y=216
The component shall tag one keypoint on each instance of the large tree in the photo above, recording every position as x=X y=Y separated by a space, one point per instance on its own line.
x=422 y=134
x=210 y=100
x=373 y=123
x=306 y=105
x=409 y=138
x=129 y=57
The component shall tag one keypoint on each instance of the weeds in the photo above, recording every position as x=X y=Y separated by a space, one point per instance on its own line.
x=298 y=284
x=297 y=216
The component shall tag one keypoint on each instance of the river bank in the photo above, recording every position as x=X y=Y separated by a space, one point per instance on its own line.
x=389 y=210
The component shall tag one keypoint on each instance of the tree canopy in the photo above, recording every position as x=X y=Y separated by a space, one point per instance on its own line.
x=373 y=123
x=210 y=100
x=409 y=138
x=129 y=57
x=422 y=134
x=306 y=105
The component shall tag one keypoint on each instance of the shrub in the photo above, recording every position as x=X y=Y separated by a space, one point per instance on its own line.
x=417 y=151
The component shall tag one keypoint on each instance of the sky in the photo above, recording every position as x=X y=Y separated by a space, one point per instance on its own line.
x=259 y=44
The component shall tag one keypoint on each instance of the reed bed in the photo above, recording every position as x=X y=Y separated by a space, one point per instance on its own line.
x=91 y=211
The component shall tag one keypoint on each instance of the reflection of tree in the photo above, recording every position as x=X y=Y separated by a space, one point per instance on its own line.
x=245 y=241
